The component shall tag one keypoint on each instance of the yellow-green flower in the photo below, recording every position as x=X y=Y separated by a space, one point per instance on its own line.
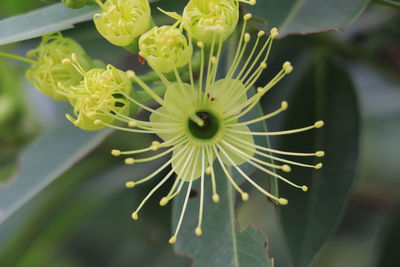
x=165 y=48
x=209 y=19
x=98 y=97
x=47 y=70
x=200 y=125
x=123 y=21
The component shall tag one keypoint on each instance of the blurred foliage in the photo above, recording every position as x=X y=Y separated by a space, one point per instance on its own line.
x=350 y=79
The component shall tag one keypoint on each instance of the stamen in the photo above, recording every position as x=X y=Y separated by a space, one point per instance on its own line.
x=135 y=213
x=210 y=170
x=185 y=202
x=317 y=154
x=281 y=201
x=198 y=228
x=245 y=156
x=317 y=166
x=147 y=178
x=23 y=59
x=235 y=185
x=317 y=124
x=283 y=107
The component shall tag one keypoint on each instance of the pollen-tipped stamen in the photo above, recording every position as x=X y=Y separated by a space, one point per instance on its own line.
x=252 y=161
x=227 y=174
x=210 y=171
x=279 y=200
x=318 y=124
x=186 y=198
x=198 y=228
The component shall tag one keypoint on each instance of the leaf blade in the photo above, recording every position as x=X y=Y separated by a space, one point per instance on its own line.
x=310 y=217
x=308 y=16
x=61 y=146
x=41 y=21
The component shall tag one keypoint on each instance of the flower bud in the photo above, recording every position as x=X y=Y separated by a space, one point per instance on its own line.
x=100 y=98
x=165 y=48
x=48 y=70
x=123 y=21
x=209 y=19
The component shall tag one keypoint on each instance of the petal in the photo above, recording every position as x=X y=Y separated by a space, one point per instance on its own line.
x=157 y=118
x=180 y=99
x=229 y=93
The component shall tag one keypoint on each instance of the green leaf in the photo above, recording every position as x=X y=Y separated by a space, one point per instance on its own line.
x=49 y=19
x=307 y=16
x=221 y=243
x=389 y=256
x=325 y=92
x=46 y=159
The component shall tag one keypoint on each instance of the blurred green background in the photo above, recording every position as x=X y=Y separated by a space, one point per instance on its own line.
x=82 y=218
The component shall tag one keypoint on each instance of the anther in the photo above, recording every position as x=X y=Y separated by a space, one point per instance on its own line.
x=97 y=122
x=135 y=216
x=115 y=152
x=155 y=143
x=172 y=240
x=319 y=124
x=252 y=2
x=130 y=184
x=60 y=86
x=260 y=90
x=247 y=37
x=65 y=61
x=129 y=161
x=287 y=67
x=164 y=201
x=131 y=74
x=274 y=33
x=263 y=65
x=247 y=16
x=245 y=196
x=320 y=154
x=198 y=231
x=318 y=166
x=213 y=60
x=260 y=33
x=282 y=201
x=154 y=148
x=208 y=170
x=304 y=188
x=284 y=105
x=132 y=124
x=215 y=198
x=286 y=168
x=200 y=44
x=73 y=57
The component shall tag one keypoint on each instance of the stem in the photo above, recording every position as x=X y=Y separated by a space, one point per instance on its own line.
x=23 y=59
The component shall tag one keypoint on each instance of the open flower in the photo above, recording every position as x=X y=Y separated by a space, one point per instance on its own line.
x=47 y=70
x=98 y=96
x=201 y=125
x=123 y=21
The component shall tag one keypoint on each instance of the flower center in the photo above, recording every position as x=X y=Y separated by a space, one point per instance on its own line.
x=209 y=130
